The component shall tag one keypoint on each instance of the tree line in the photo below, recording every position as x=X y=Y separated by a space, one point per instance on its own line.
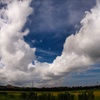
x=47 y=89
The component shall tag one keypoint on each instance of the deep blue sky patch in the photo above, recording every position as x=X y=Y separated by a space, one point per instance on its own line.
x=52 y=22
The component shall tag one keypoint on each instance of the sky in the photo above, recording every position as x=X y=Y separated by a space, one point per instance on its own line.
x=49 y=42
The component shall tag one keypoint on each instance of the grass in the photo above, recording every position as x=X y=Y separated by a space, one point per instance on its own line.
x=15 y=95
x=76 y=93
x=97 y=95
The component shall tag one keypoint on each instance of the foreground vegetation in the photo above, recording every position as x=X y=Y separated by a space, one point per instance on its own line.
x=71 y=95
x=75 y=94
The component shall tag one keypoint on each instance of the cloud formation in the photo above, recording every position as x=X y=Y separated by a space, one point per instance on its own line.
x=15 y=54
x=54 y=16
x=80 y=51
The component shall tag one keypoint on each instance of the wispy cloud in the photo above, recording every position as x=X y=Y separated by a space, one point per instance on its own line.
x=47 y=52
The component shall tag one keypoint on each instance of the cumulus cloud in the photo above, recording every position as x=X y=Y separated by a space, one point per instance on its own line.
x=79 y=53
x=15 y=54
x=80 y=50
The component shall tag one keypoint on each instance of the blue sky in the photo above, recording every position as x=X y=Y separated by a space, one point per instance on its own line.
x=52 y=22
x=66 y=50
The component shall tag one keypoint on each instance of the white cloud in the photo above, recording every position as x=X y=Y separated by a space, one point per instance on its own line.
x=15 y=54
x=79 y=53
x=80 y=50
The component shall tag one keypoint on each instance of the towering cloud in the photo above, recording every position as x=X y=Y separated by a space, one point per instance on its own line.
x=15 y=54
x=80 y=50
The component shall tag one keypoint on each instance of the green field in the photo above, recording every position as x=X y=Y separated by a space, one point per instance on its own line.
x=23 y=95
